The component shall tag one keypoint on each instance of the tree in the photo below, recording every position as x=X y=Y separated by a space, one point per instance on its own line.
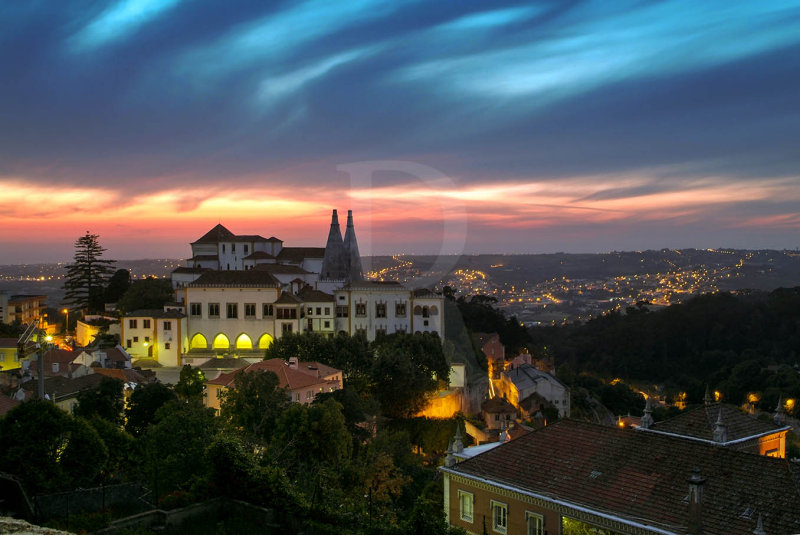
x=313 y=435
x=105 y=400
x=118 y=284
x=254 y=403
x=191 y=384
x=48 y=449
x=149 y=293
x=143 y=404
x=86 y=276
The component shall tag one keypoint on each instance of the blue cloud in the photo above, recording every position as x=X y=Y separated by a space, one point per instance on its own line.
x=119 y=21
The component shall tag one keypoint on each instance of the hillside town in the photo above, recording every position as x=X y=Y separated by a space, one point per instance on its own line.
x=523 y=451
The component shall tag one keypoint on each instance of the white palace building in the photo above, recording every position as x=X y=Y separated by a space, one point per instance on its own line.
x=241 y=292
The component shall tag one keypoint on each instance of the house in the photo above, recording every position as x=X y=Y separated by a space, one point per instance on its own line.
x=63 y=391
x=9 y=355
x=375 y=308
x=23 y=308
x=301 y=380
x=319 y=311
x=495 y=351
x=725 y=425
x=57 y=363
x=160 y=335
x=498 y=413
x=518 y=383
x=576 y=477
x=109 y=358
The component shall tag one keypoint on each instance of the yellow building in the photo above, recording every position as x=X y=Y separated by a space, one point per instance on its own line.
x=9 y=358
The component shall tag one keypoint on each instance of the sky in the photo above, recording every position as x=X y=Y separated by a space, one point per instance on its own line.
x=447 y=127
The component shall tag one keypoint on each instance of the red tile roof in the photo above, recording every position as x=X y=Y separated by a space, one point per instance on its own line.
x=6 y=404
x=642 y=477
x=700 y=422
x=216 y=234
x=8 y=343
x=289 y=378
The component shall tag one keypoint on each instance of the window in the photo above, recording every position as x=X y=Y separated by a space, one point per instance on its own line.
x=267 y=310
x=327 y=311
x=250 y=310
x=135 y=339
x=361 y=309
x=465 y=501
x=380 y=310
x=167 y=325
x=534 y=523
x=499 y=517
x=132 y=324
x=310 y=324
x=310 y=311
x=128 y=342
x=213 y=310
x=233 y=247
x=246 y=249
x=400 y=310
x=223 y=247
x=309 y=394
x=286 y=328
x=426 y=312
x=146 y=338
x=297 y=397
x=145 y=324
x=327 y=324
x=286 y=313
x=341 y=312
x=166 y=345
x=195 y=310
x=319 y=311
x=232 y=310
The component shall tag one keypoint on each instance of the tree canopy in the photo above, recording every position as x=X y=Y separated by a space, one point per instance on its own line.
x=86 y=277
x=149 y=293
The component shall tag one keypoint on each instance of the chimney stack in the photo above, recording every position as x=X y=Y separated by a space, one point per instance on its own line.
x=647 y=419
x=696 y=482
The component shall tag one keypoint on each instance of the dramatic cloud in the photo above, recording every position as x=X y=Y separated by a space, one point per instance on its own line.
x=585 y=125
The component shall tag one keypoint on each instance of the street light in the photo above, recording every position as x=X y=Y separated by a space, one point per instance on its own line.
x=66 y=320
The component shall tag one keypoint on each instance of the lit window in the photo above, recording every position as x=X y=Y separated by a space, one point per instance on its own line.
x=499 y=517
x=466 y=501
x=534 y=523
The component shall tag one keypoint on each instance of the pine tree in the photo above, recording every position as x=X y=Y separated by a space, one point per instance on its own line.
x=87 y=275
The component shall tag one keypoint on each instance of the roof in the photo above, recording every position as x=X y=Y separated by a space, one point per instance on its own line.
x=497 y=405
x=215 y=235
x=234 y=279
x=424 y=292
x=184 y=269
x=203 y=257
x=155 y=313
x=310 y=295
x=642 y=477
x=289 y=378
x=6 y=404
x=298 y=254
x=700 y=422
x=281 y=269
x=371 y=285
x=533 y=403
x=8 y=342
x=259 y=255
x=114 y=354
x=126 y=375
x=61 y=356
x=287 y=298
x=224 y=363
x=63 y=387
x=526 y=376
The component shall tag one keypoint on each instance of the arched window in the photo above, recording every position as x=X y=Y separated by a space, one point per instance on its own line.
x=417 y=310
x=198 y=342
x=221 y=342
x=434 y=310
x=265 y=341
x=425 y=312
x=244 y=342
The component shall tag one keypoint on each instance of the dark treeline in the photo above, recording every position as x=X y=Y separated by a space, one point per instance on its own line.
x=736 y=344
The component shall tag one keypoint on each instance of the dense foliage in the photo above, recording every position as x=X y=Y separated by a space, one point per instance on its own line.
x=735 y=343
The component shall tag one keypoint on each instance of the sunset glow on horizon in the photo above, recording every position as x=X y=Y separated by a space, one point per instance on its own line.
x=457 y=128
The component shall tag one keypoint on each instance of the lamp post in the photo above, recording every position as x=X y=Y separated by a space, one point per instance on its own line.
x=65 y=311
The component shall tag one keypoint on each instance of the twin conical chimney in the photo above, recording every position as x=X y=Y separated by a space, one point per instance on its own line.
x=342 y=260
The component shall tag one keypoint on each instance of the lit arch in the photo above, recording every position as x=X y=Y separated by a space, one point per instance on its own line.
x=244 y=342
x=265 y=341
x=198 y=342
x=221 y=342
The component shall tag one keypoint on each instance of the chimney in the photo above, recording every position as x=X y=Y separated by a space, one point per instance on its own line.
x=778 y=417
x=708 y=399
x=333 y=263
x=293 y=362
x=759 y=527
x=647 y=419
x=458 y=445
x=449 y=459
x=720 y=429
x=696 y=482
x=352 y=256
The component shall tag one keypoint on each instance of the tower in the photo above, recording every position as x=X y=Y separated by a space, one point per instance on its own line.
x=352 y=256
x=334 y=262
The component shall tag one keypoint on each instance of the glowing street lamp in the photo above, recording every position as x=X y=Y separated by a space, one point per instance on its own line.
x=65 y=311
